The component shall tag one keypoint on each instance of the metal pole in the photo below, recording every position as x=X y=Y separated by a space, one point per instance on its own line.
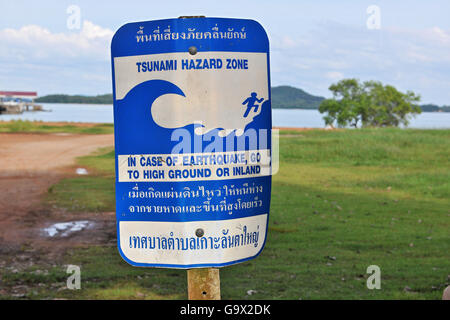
x=203 y=284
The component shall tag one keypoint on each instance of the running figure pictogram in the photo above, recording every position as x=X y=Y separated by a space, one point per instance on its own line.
x=250 y=102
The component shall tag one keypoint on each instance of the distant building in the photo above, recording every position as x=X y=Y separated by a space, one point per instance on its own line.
x=17 y=96
x=13 y=102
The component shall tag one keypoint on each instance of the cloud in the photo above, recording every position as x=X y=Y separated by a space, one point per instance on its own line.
x=417 y=60
x=77 y=61
x=35 y=43
x=439 y=35
x=410 y=59
x=334 y=75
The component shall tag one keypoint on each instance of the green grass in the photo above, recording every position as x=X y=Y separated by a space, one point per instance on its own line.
x=341 y=201
x=92 y=193
x=71 y=194
x=21 y=126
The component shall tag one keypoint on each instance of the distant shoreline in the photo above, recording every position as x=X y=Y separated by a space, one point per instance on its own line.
x=273 y=107
x=282 y=97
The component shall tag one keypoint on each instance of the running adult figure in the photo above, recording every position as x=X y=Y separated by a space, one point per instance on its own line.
x=250 y=102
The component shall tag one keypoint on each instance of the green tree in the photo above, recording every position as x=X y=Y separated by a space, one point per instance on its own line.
x=368 y=104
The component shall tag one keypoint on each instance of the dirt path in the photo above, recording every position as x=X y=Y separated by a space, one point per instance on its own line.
x=29 y=165
x=31 y=154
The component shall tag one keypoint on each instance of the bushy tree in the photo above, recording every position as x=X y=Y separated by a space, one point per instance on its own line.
x=368 y=104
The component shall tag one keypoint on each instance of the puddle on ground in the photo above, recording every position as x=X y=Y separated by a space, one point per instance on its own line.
x=81 y=171
x=64 y=229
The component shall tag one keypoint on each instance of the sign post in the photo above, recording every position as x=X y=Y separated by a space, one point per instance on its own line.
x=203 y=284
x=192 y=126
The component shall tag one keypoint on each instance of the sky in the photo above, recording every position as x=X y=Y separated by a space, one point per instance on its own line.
x=312 y=43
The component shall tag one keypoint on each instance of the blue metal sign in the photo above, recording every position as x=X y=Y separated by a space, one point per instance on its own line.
x=192 y=123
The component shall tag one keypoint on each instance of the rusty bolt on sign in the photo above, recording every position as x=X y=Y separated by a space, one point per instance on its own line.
x=199 y=232
x=193 y=50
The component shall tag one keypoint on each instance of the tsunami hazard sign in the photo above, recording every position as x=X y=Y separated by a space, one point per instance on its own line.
x=192 y=125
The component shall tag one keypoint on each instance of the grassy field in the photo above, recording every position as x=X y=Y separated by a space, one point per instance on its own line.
x=341 y=201
x=20 y=126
